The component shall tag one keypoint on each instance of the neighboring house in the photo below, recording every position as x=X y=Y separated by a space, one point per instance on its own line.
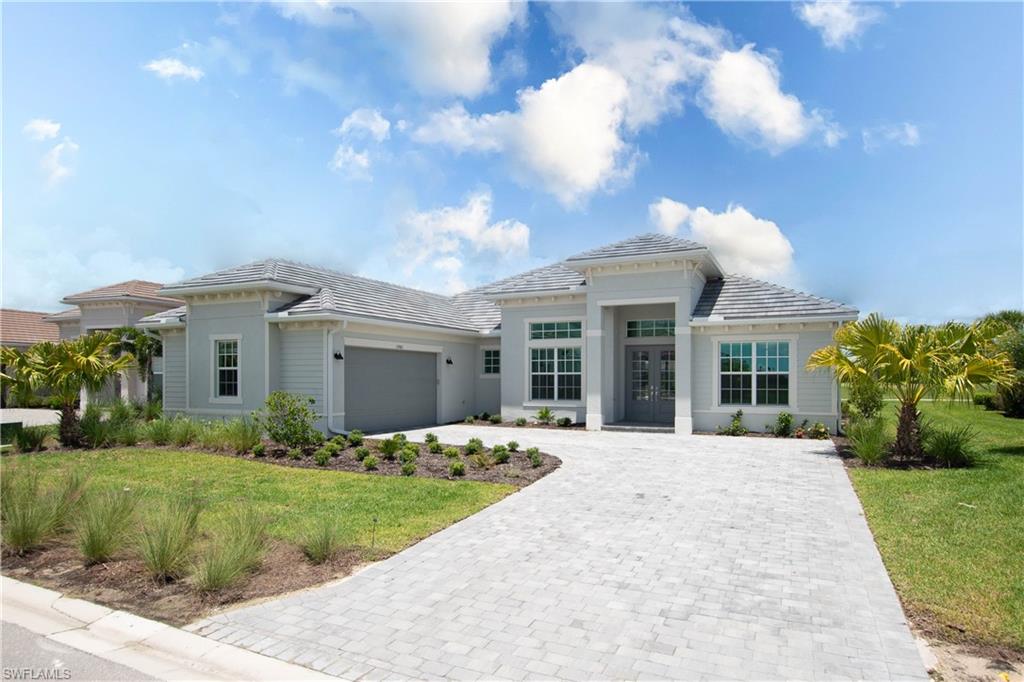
x=645 y=331
x=22 y=328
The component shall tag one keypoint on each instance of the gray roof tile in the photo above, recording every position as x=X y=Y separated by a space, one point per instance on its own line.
x=164 y=315
x=737 y=297
x=555 y=277
x=650 y=244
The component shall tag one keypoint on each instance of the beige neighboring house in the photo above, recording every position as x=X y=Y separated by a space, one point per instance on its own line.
x=22 y=328
x=105 y=308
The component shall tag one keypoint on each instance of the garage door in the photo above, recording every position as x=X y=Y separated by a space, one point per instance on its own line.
x=388 y=390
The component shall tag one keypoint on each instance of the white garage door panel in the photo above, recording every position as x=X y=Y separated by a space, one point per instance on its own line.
x=387 y=390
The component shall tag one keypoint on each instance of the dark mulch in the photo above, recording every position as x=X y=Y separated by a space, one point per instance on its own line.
x=123 y=582
x=518 y=471
x=527 y=425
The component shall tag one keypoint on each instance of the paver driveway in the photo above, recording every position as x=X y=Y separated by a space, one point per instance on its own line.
x=643 y=556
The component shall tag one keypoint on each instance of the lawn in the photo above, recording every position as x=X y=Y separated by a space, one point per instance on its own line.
x=953 y=539
x=406 y=509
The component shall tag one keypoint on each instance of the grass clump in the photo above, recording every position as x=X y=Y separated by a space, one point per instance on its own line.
x=30 y=515
x=166 y=538
x=495 y=419
x=128 y=433
x=159 y=431
x=321 y=540
x=259 y=450
x=520 y=421
x=31 y=438
x=869 y=440
x=104 y=523
x=184 y=431
x=481 y=460
x=370 y=463
x=241 y=434
x=233 y=553
x=951 y=446
x=294 y=454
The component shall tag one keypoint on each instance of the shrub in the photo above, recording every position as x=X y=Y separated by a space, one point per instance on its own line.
x=127 y=433
x=184 y=431
x=819 y=431
x=435 y=447
x=484 y=416
x=735 y=427
x=986 y=400
x=401 y=438
x=154 y=409
x=294 y=453
x=259 y=450
x=495 y=419
x=409 y=468
x=31 y=438
x=288 y=419
x=103 y=524
x=952 y=446
x=473 y=446
x=520 y=421
x=322 y=457
x=500 y=454
x=29 y=515
x=430 y=438
x=451 y=452
x=409 y=454
x=121 y=412
x=389 y=447
x=96 y=431
x=212 y=435
x=470 y=419
x=340 y=441
x=481 y=460
x=866 y=398
x=370 y=463
x=233 y=554
x=869 y=440
x=565 y=421
x=355 y=437
x=321 y=540
x=544 y=415
x=159 y=431
x=167 y=536
x=783 y=427
x=535 y=459
x=361 y=453
x=331 y=447
x=457 y=468
x=242 y=434
x=513 y=446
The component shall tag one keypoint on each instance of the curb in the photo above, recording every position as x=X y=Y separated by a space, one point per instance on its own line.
x=152 y=648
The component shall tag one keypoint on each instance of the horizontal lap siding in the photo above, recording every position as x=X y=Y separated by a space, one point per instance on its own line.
x=302 y=365
x=174 y=371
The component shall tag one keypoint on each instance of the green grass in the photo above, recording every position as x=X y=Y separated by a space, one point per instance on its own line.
x=953 y=539
x=407 y=509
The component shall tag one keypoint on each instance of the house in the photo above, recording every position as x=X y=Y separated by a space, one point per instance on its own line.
x=23 y=328
x=646 y=331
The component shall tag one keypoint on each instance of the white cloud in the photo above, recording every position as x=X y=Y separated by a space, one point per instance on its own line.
x=742 y=95
x=904 y=134
x=444 y=48
x=363 y=122
x=170 y=67
x=840 y=22
x=305 y=74
x=41 y=129
x=444 y=240
x=351 y=163
x=56 y=162
x=743 y=243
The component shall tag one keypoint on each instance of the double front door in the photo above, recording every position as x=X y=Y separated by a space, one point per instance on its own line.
x=650 y=384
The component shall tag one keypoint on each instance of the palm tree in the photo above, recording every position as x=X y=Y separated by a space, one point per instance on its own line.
x=16 y=376
x=913 y=362
x=65 y=368
x=140 y=345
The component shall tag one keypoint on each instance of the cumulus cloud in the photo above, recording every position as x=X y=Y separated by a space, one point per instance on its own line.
x=743 y=243
x=443 y=240
x=56 y=163
x=41 y=129
x=352 y=164
x=840 y=22
x=573 y=135
x=444 y=48
x=171 y=67
x=363 y=122
x=904 y=134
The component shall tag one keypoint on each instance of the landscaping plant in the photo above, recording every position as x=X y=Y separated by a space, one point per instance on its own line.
x=473 y=446
x=500 y=454
x=495 y=419
x=869 y=439
x=242 y=434
x=184 y=431
x=520 y=421
x=430 y=437
x=159 y=431
x=451 y=452
x=154 y=409
x=104 y=522
x=322 y=457
x=370 y=463
x=259 y=450
x=321 y=540
x=513 y=446
x=564 y=422
x=232 y=554
x=951 y=446
x=535 y=458
x=166 y=538
x=31 y=438
x=456 y=468
x=288 y=419
x=294 y=453
x=736 y=427
x=93 y=430
x=361 y=453
x=545 y=416
x=470 y=419
x=435 y=447
x=409 y=468
x=783 y=427
x=30 y=515
x=355 y=437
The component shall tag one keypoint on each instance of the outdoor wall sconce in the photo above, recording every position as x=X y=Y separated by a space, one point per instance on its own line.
x=338 y=355
x=449 y=362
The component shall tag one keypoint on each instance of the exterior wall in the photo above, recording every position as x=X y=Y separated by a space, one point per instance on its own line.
x=244 y=320
x=302 y=367
x=488 y=386
x=816 y=398
x=174 y=371
x=67 y=330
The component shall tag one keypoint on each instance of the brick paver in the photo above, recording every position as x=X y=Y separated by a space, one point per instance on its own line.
x=644 y=556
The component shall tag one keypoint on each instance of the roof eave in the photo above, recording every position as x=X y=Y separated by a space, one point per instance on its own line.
x=266 y=284
x=167 y=323
x=782 y=319
x=329 y=316
x=581 y=264
x=119 y=298
x=505 y=295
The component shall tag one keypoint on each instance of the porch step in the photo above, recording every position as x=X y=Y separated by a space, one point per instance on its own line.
x=638 y=428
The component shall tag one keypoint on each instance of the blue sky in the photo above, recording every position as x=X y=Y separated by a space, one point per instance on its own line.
x=870 y=153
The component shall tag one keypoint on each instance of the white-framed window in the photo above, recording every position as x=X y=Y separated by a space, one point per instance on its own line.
x=642 y=328
x=559 y=329
x=226 y=368
x=753 y=373
x=492 y=361
x=556 y=373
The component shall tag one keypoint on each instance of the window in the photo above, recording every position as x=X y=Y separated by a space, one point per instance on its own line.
x=492 y=361
x=556 y=373
x=226 y=368
x=635 y=328
x=754 y=371
x=556 y=330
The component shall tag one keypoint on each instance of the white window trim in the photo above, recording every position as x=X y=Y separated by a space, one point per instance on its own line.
x=214 y=398
x=716 y=398
x=625 y=328
x=580 y=343
x=483 y=366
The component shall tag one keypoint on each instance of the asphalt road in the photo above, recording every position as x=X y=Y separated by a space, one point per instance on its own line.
x=28 y=656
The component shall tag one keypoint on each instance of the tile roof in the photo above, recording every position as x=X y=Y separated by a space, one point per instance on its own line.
x=555 y=277
x=737 y=297
x=25 y=327
x=66 y=315
x=134 y=288
x=650 y=244
x=165 y=316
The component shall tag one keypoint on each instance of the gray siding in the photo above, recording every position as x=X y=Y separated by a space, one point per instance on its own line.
x=244 y=319
x=488 y=387
x=174 y=371
x=301 y=365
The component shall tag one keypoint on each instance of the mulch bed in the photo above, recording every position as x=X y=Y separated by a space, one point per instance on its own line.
x=527 y=425
x=124 y=584
x=518 y=471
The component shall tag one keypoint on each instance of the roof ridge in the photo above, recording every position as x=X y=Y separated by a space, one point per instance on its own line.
x=331 y=271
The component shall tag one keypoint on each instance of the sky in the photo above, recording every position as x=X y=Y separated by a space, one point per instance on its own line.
x=870 y=153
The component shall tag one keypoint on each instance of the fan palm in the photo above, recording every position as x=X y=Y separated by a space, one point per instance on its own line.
x=140 y=345
x=913 y=362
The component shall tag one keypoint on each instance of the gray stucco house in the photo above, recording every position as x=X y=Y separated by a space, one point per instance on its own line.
x=644 y=331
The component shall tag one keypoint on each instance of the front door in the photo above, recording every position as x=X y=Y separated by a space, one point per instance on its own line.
x=650 y=384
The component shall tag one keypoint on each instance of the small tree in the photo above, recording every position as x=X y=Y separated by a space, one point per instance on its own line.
x=139 y=344
x=288 y=419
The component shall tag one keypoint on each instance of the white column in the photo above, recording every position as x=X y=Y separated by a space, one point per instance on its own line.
x=593 y=361
x=684 y=367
